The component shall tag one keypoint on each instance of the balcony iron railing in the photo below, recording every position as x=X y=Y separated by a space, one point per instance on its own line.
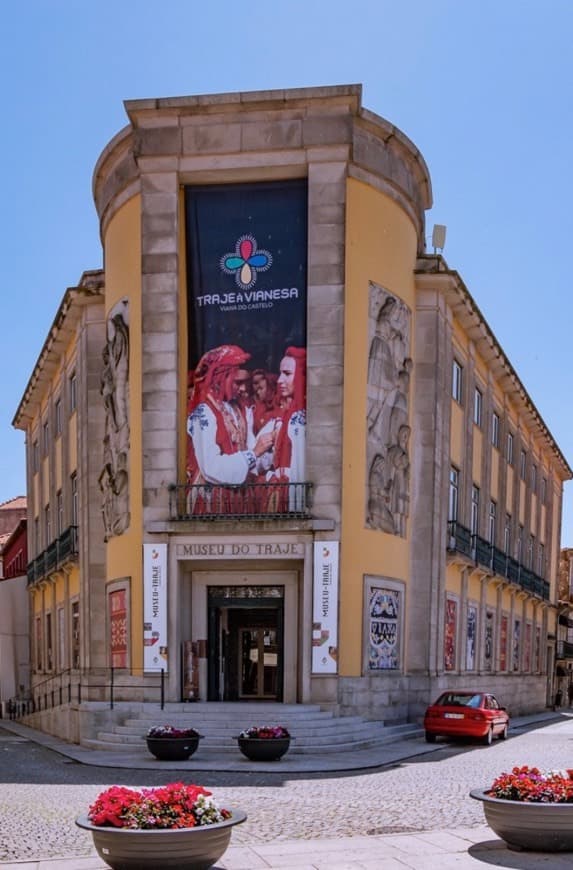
x=64 y=549
x=253 y=501
x=481 y=552
x=564 y=649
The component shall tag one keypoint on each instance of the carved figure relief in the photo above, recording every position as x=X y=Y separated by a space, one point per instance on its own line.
x=114 y=477
x=388 y=433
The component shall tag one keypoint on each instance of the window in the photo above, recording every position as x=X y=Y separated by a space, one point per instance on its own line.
x=495 y=429
x=522 y=463
x=58 y=417
x=73 y=392
x=491 y=522
x=534 y=478
x=35 y=457
x=47 y=524
x=38 y=643
x=37 y=542
x=75 y=634
x=475 y=510
x=61 y=630
x=509 y=448
x=46 y=437
x=74 y=499
x=507 y=535
x=478 y=404
x=49 y=643
x=457 y=373
x=520 y=533
x=543 y=493
x=60 y=513
x=530 y=551
x=541 y=560
x=454 y=490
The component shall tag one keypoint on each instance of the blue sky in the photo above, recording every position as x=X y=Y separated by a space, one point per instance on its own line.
x=483 y=89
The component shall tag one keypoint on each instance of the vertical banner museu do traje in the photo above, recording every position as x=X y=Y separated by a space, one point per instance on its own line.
x=155 y=607
x=246 y=281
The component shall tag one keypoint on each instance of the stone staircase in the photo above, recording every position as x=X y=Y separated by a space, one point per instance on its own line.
x=315 y=731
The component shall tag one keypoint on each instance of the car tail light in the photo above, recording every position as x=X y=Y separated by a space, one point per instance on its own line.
x=477 y=716
x=432 y=714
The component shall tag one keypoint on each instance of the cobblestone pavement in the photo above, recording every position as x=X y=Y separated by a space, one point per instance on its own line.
x=43 y=793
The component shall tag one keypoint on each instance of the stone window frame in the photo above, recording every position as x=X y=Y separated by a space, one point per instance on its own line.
x=380 y=580
x=122 y=584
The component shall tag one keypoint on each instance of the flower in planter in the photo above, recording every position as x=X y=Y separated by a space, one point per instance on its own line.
x=530 y=785
x=171 y=731
x=170 y=806
x=265 y=732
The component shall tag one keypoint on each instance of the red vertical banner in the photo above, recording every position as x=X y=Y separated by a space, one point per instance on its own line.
x=527 y=662
x=450 y=634
x=118 y=628
x=503 y=644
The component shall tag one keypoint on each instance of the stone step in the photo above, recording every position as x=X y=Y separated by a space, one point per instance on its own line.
x=232 y=724
x=222 y=739
x=297 y=747
x=232 y=707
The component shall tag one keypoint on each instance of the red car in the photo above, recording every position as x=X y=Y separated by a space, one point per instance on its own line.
x=466 y=714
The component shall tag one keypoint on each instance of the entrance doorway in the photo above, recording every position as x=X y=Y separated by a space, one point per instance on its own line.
x=245 y=644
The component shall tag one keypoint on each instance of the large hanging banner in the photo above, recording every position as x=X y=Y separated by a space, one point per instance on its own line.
x=325 y=608
x=246 y=300
x=155 y=607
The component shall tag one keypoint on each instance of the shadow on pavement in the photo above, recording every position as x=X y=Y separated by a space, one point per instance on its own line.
x=497 y=854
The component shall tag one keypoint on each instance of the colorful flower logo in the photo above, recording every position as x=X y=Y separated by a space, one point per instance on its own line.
x=245 y=262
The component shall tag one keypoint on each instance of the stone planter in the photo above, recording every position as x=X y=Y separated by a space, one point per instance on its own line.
x=173 y=748
x=171 y=849
x=539 y=827
x=264 y=748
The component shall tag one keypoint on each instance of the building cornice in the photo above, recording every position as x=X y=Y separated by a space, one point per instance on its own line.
x=433 y=273
x=89 y=291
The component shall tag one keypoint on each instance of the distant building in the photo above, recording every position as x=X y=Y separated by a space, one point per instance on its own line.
x=14 y=626
x=274 y=449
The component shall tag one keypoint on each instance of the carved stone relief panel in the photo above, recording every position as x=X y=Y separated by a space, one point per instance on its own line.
x=388 y=429
x=114 y=477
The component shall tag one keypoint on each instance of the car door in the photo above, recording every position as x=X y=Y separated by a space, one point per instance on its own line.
x=497 y=717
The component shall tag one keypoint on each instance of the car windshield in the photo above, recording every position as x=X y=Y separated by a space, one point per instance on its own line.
x=452 y=699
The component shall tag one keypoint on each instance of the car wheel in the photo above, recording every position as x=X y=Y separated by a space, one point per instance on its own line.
x=488 y=739
x=503 y=733
x=430 y=738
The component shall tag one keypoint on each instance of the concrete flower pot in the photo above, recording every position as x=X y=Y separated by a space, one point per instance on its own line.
x=539 y=827
x=173 y=748
x=169 y=849
x=264 y=748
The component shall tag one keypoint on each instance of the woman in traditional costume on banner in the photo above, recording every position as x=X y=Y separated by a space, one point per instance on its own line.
x=289 y=453
x=222 y=449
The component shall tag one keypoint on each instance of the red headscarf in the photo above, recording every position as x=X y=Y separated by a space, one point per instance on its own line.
x=283 y=447
x=298 y=354
x=212 y=373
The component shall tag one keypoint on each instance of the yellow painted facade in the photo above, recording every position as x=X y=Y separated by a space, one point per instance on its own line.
x=122 y=244
x=380 y=247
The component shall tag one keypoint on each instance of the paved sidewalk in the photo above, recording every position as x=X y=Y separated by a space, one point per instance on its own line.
x=428 y=850
x=433 y=850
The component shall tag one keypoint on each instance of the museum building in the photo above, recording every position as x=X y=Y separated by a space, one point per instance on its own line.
x=274 y=450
